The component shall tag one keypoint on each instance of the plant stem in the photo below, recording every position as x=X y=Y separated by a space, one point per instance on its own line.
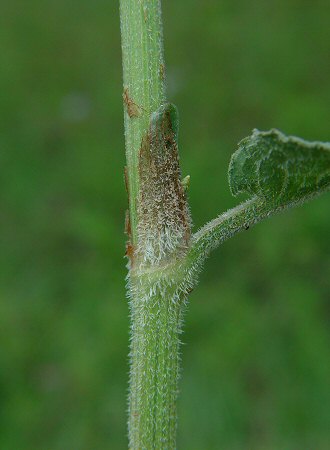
x=156 y=299
x=156 y=314
x=144 y=82
x=165 y=260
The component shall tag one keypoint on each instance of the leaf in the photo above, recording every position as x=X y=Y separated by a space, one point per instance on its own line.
x=280 y=169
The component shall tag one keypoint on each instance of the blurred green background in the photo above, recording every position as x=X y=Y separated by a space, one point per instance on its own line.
x=257 y=338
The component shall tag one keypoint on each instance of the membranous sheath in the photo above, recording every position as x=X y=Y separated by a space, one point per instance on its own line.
x=163 y=214
x=157 y=289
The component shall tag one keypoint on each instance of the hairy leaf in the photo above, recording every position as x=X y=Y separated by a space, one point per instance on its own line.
x=280 y=169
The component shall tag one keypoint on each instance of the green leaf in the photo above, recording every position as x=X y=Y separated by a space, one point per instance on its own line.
x=282 y=170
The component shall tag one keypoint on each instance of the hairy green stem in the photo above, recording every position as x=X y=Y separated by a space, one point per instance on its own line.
x=156 y=314
x=231 y=222
x=144 y=82
x=156 y=302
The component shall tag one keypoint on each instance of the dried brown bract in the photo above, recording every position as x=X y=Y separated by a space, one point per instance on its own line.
x=133 y=110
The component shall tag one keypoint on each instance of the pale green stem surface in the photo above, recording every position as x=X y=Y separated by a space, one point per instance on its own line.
x=156 y=304
x=143 y=79
x=156 y=315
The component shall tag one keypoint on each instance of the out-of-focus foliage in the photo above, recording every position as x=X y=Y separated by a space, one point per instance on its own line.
x=257 y=359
